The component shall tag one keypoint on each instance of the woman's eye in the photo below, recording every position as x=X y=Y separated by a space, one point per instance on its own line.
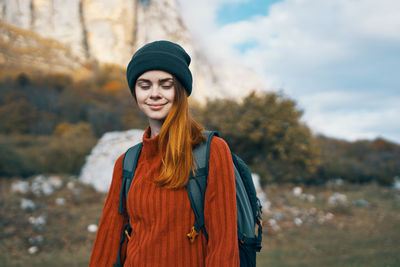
x=144 y=86
x=167 y=86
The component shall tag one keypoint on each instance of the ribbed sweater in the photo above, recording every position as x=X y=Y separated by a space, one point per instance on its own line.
x=161 y=217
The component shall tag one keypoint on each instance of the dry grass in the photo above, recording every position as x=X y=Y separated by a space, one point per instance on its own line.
x=67 y=241
x=355 y=236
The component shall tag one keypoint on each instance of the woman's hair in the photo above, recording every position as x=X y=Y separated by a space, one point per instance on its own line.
x=178 y=135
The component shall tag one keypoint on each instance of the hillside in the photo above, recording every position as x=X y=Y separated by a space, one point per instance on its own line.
x=25 y=51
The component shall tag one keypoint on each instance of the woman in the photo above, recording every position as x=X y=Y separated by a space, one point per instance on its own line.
x=157 y=204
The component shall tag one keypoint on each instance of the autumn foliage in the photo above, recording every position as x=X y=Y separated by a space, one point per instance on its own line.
x=265 y=130
x=49 y=123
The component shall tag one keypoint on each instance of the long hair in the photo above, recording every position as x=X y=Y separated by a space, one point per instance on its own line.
x=178 y=135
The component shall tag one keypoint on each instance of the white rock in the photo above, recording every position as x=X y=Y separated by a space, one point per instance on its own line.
x=99 y=165
x=325 y=217
x=298 y=221
x=42 y=186
x=21 y=187
x=337 y=199
x=37 y=221
x=70 y=185
x=310 y=198
x=274 y=224
x=37 y=184
x=60 y=201
x=47 y=189
x=297 y=191
x=40 y=178
x=329 y=216
x=396 y=183
x=92 y=228
x=33 y=250
x=27 y=204
x=55 y=182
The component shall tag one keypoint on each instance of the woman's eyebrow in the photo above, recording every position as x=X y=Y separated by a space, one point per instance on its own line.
x=143 y=80
x=160 y=80
x=165 y=80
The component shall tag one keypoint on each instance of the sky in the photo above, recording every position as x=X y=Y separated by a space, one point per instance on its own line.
x=338 y=59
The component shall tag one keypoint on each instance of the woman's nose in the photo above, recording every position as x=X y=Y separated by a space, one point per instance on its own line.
x=155 y=90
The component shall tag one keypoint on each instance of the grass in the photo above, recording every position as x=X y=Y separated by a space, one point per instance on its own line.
x=354 y=236
x=360 y=236
x=66 y=239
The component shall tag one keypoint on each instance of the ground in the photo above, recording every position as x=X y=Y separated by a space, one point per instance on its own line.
x=301 y=227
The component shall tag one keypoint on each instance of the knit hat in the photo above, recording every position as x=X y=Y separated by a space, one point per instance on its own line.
x=160 y=55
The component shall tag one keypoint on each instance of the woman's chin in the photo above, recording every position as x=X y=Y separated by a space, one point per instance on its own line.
x=160 y=117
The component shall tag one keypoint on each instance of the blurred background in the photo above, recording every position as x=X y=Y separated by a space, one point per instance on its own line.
x=306 y=92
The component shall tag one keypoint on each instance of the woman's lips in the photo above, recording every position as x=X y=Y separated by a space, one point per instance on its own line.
x=156 y=106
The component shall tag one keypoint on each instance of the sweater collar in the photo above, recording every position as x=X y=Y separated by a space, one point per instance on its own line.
x=150 y=145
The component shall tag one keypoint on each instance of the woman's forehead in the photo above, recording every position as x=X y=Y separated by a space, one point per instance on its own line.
x=155 y=75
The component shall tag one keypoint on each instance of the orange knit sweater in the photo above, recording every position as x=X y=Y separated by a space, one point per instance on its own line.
x=161 y=218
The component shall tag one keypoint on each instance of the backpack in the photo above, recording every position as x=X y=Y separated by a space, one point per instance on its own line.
x=248 y=205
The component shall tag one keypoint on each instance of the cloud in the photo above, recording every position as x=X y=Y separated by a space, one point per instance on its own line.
x=338 y=58
x=200 y=16
x=352 y=115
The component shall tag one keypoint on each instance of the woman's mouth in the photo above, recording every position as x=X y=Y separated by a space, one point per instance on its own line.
x=156 y=106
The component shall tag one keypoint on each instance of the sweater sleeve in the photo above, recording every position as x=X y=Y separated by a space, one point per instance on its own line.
x=106 y=245
x=220 y=208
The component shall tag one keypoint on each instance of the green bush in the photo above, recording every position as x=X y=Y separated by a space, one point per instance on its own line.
x=63 y=152
x=13 y=164
x=360 y=161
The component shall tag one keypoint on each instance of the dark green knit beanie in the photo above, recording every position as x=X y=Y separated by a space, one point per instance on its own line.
x=160 y=55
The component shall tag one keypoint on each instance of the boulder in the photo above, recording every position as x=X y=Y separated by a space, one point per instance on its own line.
x=337 y=199
x=21 y=187
x=99 y=165
x=27 y=204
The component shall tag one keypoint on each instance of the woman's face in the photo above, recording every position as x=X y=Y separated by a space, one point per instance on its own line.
x=155 y=93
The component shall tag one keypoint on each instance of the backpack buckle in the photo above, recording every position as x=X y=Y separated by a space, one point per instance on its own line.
x=127 y=235
x=192 y=234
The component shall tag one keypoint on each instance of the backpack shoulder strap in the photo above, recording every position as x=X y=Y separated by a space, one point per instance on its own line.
x=197 y=184
x=128 y=171
x=129 y=164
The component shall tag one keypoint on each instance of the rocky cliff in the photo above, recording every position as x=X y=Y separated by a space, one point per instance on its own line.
x=109 y=31
x=25 y=51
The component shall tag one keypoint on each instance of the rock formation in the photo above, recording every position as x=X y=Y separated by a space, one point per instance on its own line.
x=99 y=165
x=24 y=50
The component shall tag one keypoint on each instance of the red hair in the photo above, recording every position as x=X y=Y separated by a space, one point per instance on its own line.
x=178 y=135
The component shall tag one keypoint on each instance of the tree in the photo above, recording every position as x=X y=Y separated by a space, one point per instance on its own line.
x=265 y=130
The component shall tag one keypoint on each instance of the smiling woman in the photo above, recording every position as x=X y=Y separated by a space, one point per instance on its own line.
x=158 y=215
x=155 y=92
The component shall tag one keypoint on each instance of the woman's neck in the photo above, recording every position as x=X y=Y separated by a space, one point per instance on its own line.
x=155 y=127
